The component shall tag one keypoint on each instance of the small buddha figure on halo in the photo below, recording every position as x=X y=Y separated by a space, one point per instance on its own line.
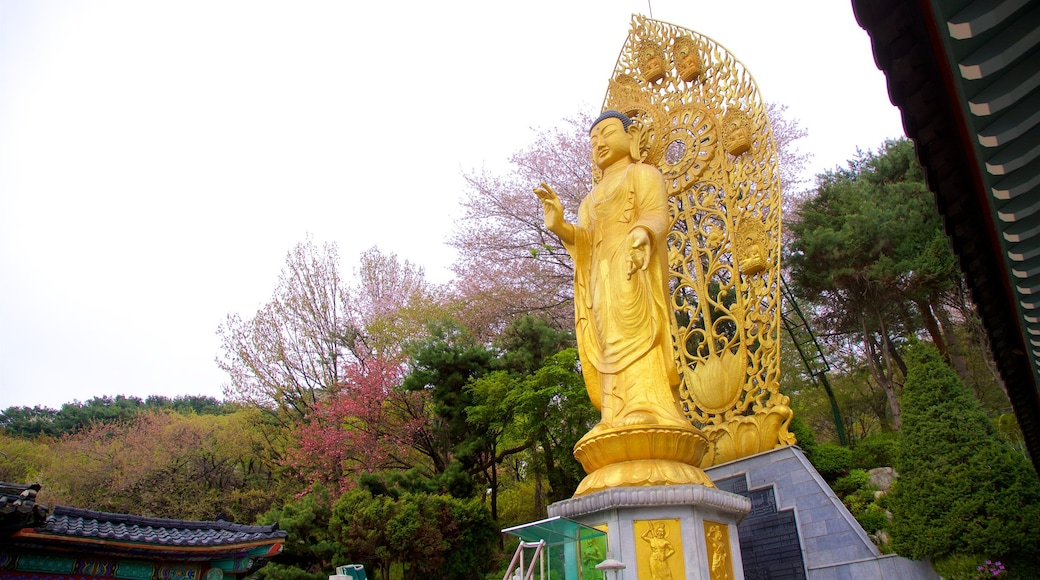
x=621 y=282
x=686 y=58
x=750 y=246
x=736 y=132
x=651 y=61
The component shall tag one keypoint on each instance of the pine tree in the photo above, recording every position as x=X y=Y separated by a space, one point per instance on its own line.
x=962 y=489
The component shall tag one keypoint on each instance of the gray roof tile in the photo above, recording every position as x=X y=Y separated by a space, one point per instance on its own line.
x=73 y=522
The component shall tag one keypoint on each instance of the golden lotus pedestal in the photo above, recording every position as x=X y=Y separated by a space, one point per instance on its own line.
x=636 y=455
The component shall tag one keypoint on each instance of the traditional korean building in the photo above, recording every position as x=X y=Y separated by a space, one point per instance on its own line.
x=40 y=543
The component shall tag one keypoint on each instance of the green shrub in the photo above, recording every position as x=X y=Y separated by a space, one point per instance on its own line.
x=875 y=450
x=831 y=460
x=430 y=536
x=976 y=567
x=310 y=553
x=803 y=433
x=873 y=518
x=856 y=480
x=959 y=566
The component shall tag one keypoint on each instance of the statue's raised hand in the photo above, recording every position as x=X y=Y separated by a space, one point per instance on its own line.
x=552 y=206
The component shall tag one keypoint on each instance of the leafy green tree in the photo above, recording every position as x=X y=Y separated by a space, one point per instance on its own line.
x=360 y=524
x=495 y=398
x=513 y=402
x=159 y=464
x=559 y=413
x=526 y=342
x=190 y=404
x=310 y=552
x=523 y=396
x=962 y=489
x=75 y=416
x=443 y=365
x=868 y=250
x=29 y=421
x=23 y=461
x=543 y=414
x=863 y=407
x=429 y=536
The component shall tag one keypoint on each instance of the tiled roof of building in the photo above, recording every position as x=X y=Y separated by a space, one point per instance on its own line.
x=28 y=528
x=79 y=523
x=18 y=507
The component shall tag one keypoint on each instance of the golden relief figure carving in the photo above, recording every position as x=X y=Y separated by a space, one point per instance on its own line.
x=720 y=563
x=657 y=558
x=706 y=128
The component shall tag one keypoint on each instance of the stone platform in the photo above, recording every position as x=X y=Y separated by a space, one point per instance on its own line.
x=688 y=530
x=798 y=528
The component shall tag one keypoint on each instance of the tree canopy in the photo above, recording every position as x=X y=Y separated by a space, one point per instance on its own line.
x=76 y=416
x=868 y=251
x=294 y=349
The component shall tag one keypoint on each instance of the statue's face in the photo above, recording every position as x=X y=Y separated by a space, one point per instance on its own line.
x=610 y=142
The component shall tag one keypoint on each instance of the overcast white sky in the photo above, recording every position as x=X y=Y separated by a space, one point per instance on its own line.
x=159 y=159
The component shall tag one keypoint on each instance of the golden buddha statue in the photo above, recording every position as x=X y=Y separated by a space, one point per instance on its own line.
x=684 y=219
x=622 y=319
x=621 y=282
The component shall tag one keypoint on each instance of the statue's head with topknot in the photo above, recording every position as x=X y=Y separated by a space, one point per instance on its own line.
x=626 y=122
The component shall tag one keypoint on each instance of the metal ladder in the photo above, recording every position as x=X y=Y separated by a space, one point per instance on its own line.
x=809 y=349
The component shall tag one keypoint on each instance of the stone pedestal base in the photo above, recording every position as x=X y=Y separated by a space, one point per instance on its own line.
x=666 y=531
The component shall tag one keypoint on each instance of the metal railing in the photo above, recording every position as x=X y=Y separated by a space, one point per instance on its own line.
x=518 y=570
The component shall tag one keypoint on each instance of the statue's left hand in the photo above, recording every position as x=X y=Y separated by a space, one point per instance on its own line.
x=638 y=249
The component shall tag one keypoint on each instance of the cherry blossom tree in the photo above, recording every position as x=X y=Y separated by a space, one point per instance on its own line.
x=295 y=348
x=367 y=424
